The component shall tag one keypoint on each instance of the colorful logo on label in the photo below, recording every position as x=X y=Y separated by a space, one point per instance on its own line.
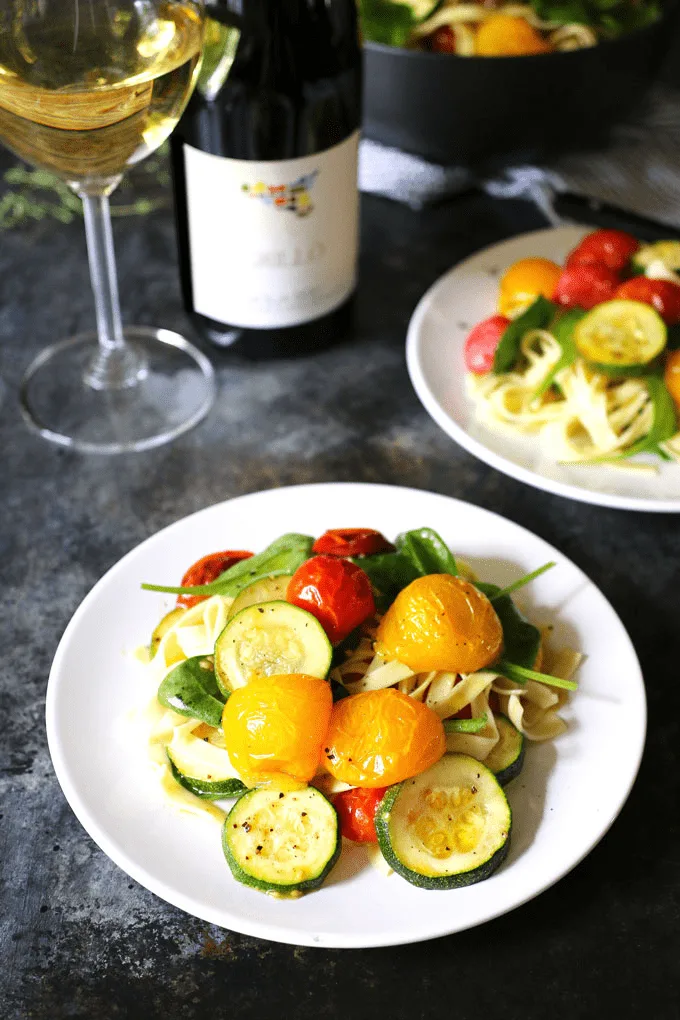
x=294 y=197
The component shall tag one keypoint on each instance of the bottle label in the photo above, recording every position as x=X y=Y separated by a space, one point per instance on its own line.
x=272 y=243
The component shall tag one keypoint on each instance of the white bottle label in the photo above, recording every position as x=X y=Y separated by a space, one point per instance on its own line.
x=272 y=243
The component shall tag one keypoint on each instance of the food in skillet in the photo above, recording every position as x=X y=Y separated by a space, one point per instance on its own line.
x=350 y=687
x=493 y=28
x=587 y=355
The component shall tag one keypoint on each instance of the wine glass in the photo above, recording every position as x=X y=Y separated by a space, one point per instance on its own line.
x=87 y=89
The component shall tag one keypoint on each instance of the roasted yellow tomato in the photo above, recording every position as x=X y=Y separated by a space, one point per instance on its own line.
x=275 y=727
x=441 y=622
x=502 y=35
x=381 y=737
x=671 y=377
x=523 y=282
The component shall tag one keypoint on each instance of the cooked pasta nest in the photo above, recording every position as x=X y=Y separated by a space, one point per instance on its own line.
x=585 y=416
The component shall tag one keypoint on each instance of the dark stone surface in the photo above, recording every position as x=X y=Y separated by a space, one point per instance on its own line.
x=77 y=937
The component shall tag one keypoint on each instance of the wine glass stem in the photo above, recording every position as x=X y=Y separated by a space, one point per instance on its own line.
x=116 y=365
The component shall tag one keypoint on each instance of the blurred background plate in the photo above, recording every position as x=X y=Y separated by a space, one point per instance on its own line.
x=498 y=111
x=434 y=354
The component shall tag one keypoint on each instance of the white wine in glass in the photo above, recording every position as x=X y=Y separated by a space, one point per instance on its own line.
x=87 y=89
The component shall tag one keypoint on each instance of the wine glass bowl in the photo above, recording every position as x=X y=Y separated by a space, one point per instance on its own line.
x=88 y=89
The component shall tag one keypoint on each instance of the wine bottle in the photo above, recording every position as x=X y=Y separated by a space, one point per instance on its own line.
x=265 y=175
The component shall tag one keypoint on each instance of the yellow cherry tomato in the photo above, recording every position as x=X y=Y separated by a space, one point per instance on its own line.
x=671 y=376
x=441 y=622
x=523 y=282
x=275 y=727
x=502 y=35
x=378 y=738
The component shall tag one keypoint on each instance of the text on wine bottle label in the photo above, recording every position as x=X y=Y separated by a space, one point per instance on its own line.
x=272 y=243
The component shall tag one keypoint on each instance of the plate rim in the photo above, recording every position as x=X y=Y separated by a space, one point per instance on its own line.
x=280 y=933
x=476 y=447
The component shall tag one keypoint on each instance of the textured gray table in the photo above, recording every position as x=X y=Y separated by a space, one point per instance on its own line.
x=77 y=937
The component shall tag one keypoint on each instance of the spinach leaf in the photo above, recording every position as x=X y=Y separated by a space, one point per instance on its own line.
x=419 y=552
x=388 y=573
x=664 y=425
x=537 y=316
x=474 y=725
x=427 y=551
x=610 y=18
x=563 y=331
x=283 y=556
x=664 y=422
x=521 y=640
x=191 y=689
x=520 y=675
x=673 y=333
x=385 y=22
x=522 y=581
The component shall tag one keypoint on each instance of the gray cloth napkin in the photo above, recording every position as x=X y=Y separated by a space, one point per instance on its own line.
x=638 y=171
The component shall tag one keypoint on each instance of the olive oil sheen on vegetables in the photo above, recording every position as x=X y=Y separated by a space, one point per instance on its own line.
x=265 y=170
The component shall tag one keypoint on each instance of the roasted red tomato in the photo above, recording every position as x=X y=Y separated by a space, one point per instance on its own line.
x=584 y=285
x=352 y=542
x=206 y=570
x=356 y=810
x=442 y=40
x=611 y=248
x=482 y=342
x=663 y=295
x=335 y=591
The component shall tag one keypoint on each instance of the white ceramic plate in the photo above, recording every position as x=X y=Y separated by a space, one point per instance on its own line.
x=434 y=354
x=566 y=798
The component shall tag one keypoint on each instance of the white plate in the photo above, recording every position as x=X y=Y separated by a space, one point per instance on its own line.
x=566 y=798
x=434 y=354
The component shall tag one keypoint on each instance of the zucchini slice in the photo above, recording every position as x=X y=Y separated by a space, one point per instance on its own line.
x=507 y=757
x=267 y=589
x=268 y=639
x=666 y=252
x=190 y=689
x=281 y=841
x=161 y=628
x=620 y=335
x=446 y=828
x=202 y=768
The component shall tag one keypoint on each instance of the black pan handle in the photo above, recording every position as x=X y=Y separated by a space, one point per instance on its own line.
x=581 y=209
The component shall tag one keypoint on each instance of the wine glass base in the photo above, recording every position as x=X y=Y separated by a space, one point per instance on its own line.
x=173 y=391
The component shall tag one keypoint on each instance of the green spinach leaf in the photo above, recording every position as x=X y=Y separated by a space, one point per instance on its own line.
x=191 y=689
x=385 y=22
x=428 y=552
x=610 y=18
x=520 y=675
x=418 y=552
x=521 y=640
x=563 y=331
x=283 y=556
x=388 y=573
x=474 y=725
x=537 y=316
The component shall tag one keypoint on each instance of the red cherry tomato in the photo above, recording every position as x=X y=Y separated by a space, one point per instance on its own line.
x=335 y=591
x=611 y=248
x=357 y=810
x=660 y=294
x=585 y=285
x=482 y=342
x=352 y=542
x=443 y=40
x=206 y=570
